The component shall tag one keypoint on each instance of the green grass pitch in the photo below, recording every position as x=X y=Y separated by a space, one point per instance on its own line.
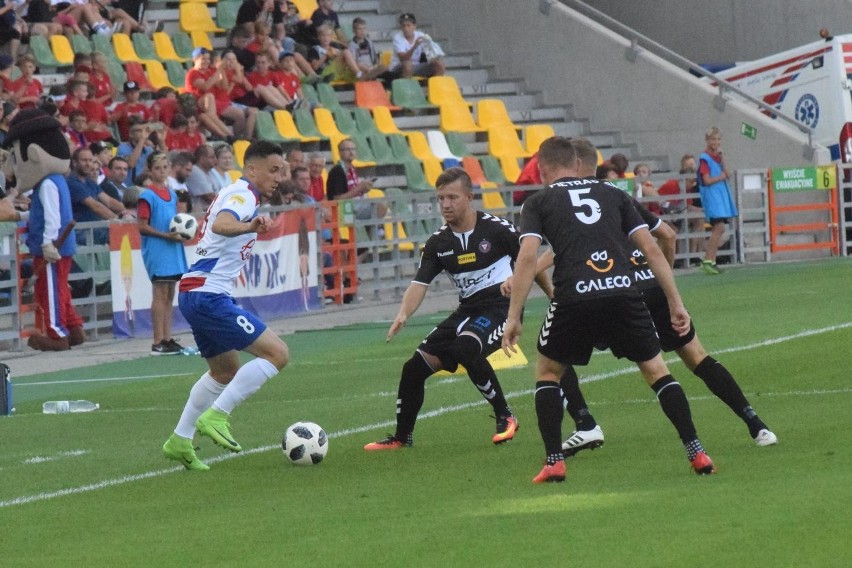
x=94 y=490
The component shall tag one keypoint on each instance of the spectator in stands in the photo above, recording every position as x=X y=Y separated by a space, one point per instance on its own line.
x=267 y=84
x=238 y=42
x=25 y=91
x=296 y=159
x=184 y=134
x=97 y=119
x=262 y=41
x=81 y=11
x=41 y=19
x=716 y=197
x=76 y=130
x=332 y=60
x=606 y=171
x=212 y=90
x=344 y=183
x=130 y=199
x=224 y=164
x=644 y=188
x=10 y=28
x=8 y=110
x=297 y=27
x=364 y=52
x=102 y=152
x=324 y=15
x=162 y=252
x=410 y=54
x=619 y=163
x=165 y=105
x=251 y=11
x=529 y=176
x=290 y=82
x=181 y=166
x=103 y=91
x=88 y=200
x=130 y=107
x=136 y=150
x=677 y=206
x=201 y=184
x=241 y=91
x=116 y=178
x=316 y=166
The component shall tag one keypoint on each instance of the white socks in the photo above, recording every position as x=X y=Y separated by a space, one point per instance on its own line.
x=203 y=393
x=245 y=383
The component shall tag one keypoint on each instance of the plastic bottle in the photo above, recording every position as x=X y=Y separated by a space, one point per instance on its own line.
x=66 y=406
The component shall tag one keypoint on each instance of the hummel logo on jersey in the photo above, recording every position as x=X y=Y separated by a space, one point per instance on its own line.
x=445 y=253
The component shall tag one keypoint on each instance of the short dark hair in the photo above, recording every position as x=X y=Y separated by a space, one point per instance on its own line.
x=586 y=152
x=200 y=151
x=117 y=159
x=75 y=113
x=602 y=171
x=299 y=170
x=619 y=163
x=451 y=175
x=76 y=154
x=359 y=20
x=261 y=149
x=557 y=151
x=180 y=158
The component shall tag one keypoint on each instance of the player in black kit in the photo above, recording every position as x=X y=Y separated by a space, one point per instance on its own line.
x=477 y=250
x=594 y=302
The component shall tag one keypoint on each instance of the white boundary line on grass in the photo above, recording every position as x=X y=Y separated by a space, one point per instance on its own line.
x=48 y=495
x=72 y=381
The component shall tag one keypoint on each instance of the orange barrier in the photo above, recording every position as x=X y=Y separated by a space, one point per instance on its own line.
x=31 y=307
x=343 y=269
x=789 y=180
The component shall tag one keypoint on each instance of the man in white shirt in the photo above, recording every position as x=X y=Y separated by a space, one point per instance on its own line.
x=412 y=49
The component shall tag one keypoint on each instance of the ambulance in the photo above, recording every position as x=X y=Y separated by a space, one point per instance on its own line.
x=812 y=84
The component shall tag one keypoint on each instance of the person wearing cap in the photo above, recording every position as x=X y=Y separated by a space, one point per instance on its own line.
x=26 y=90
x=409 y=51
x=206 y=81
x=130 y=107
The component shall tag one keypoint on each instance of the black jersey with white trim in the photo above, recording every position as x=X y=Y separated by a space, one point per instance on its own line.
x=477 y=262
x=586 y=222
x=643 y=276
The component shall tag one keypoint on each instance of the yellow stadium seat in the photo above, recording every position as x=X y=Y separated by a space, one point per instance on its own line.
x=420 y=146
x=492 y=112
x=503 y=141
x=287 y=127
x=433 y=169
x=444 y=90
x=306 y=7
x=201 y=39
x=535 y=134
x=456 y=117
x=401 y=235
x=510 y=167
x=235 y=175
x=124 y=50
x=385 y=58
x=384 y=121
x=240 y=147
x=62 y=50
x=165 y=48
x=158 y=77
x=328 y=128
x=492 y=200
x=195 y=17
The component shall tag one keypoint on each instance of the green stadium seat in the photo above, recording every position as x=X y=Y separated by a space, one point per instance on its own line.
x=226 y=13
x=287 y=127
x=416 y=179
x=401 y=149
x=327 y=96
x=42 y=52
x=81 y=44
x=116 y=73
x=306 y=124
x=310 y=94
x=407 y=93
x=176 y=73
x=182 y=44
x=103 y=44
x=265 y=129
x=457 y=144
x=144 y=47
x=364 y=121
x=492 y=170
x=381 y=149
x=344 y=121
x=364 y=152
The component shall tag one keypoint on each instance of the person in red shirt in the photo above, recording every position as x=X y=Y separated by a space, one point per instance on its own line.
x=316 y=165
x=96 y=115
x=290 y=82
x=76 y=130
x=26 y=90
x=184 y=134
x=130 y=107
x=267 y=83
x=209 y=84
x=165 y=105
x=529 y=176
x=103 y=90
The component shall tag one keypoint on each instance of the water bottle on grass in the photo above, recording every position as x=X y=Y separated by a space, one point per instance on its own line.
x=66 y=406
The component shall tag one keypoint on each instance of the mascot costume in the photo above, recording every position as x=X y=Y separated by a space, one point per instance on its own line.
x=39 y=159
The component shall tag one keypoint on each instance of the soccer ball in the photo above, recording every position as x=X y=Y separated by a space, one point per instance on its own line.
x=305 y=443
x=183 y=224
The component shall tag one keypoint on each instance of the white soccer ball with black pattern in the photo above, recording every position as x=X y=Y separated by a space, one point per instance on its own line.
x=305 y=443
x=184 y=225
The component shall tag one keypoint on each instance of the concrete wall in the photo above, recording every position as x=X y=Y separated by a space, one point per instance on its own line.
x=730 y=30
x=574 y=61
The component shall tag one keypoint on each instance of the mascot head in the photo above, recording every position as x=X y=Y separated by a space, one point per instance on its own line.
x=37 y=148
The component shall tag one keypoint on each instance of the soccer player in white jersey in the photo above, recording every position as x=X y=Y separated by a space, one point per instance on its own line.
x=220 y=327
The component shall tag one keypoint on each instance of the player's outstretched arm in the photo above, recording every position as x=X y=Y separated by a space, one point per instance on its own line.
x=227 y=225
x=667 y=241
x=411 y=300
x=660 y=266
x=522 y=280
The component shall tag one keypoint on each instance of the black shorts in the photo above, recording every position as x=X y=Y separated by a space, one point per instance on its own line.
x=572 y=330
x=171 y=278
x=486 y=324
x=655 y=300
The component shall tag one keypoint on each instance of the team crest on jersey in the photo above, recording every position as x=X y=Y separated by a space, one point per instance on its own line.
x=467 y=258
x=484 y=246
x=600 y=257
x=245 y=252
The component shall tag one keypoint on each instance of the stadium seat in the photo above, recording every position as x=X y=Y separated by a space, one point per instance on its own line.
x=457 y=144
x=327 y=96
x=401 y=150
x=235 y=175
x=240 y=147
x=81 y=44
x=201 y=39
x=381 y=149
x=195 y=17
x=306 y=7
x=158 y=77
x=493 y=171
x=363 y=150
x=62 y=49
x=395 y=234
x=42 y=52
x=503 y=141
x=493 y=202
x=370 y=94
x=415 y=178
x=124 y=48
x=444 y=90
x=328 y=127
x=103 y=44
x=306 y=124
x=492 y=112
x=364 y=121
x=385 y=58
x=439 y=147
x=433 y=169
x=407 y=93
x=182 y=44
x=136 y=73
x=384 y=121
x=144 y=48
x=166 y=49
x=345 y=122
x=310 y=94
x=265 y=129
x=420 y=146
x=456 y=117
x=116 y=73
x=535 y=134
x=287 y=127
x=473 y=168
x=510 y=167
x=226 y=13
x=177 y=73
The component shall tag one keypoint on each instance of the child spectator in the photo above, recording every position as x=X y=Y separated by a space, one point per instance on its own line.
x=364 y=51
x=268 y=84
x=102 y=152
x=330 y=59
x=130 y=200
x=103 y=91
x=96 y=114
x=26 y=90
x=130 y=107
x=324 y=15
x=262 y=42
x=184 y=134
x=290 y=83
x=165 y=105
x=136 y=150
x=76 y=129
x=162 y=252
x=210 y=87
x=409 y=51
x=619 y=164
x=644 y=187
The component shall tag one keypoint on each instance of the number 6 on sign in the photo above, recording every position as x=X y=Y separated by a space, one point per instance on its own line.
x=578 y=201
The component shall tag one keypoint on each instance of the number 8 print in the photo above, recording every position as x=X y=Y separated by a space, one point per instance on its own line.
x=247 y=326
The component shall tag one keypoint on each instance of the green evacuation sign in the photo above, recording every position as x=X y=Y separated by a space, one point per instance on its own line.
x=748 y=131
x=624 y=184
x=804 y=179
